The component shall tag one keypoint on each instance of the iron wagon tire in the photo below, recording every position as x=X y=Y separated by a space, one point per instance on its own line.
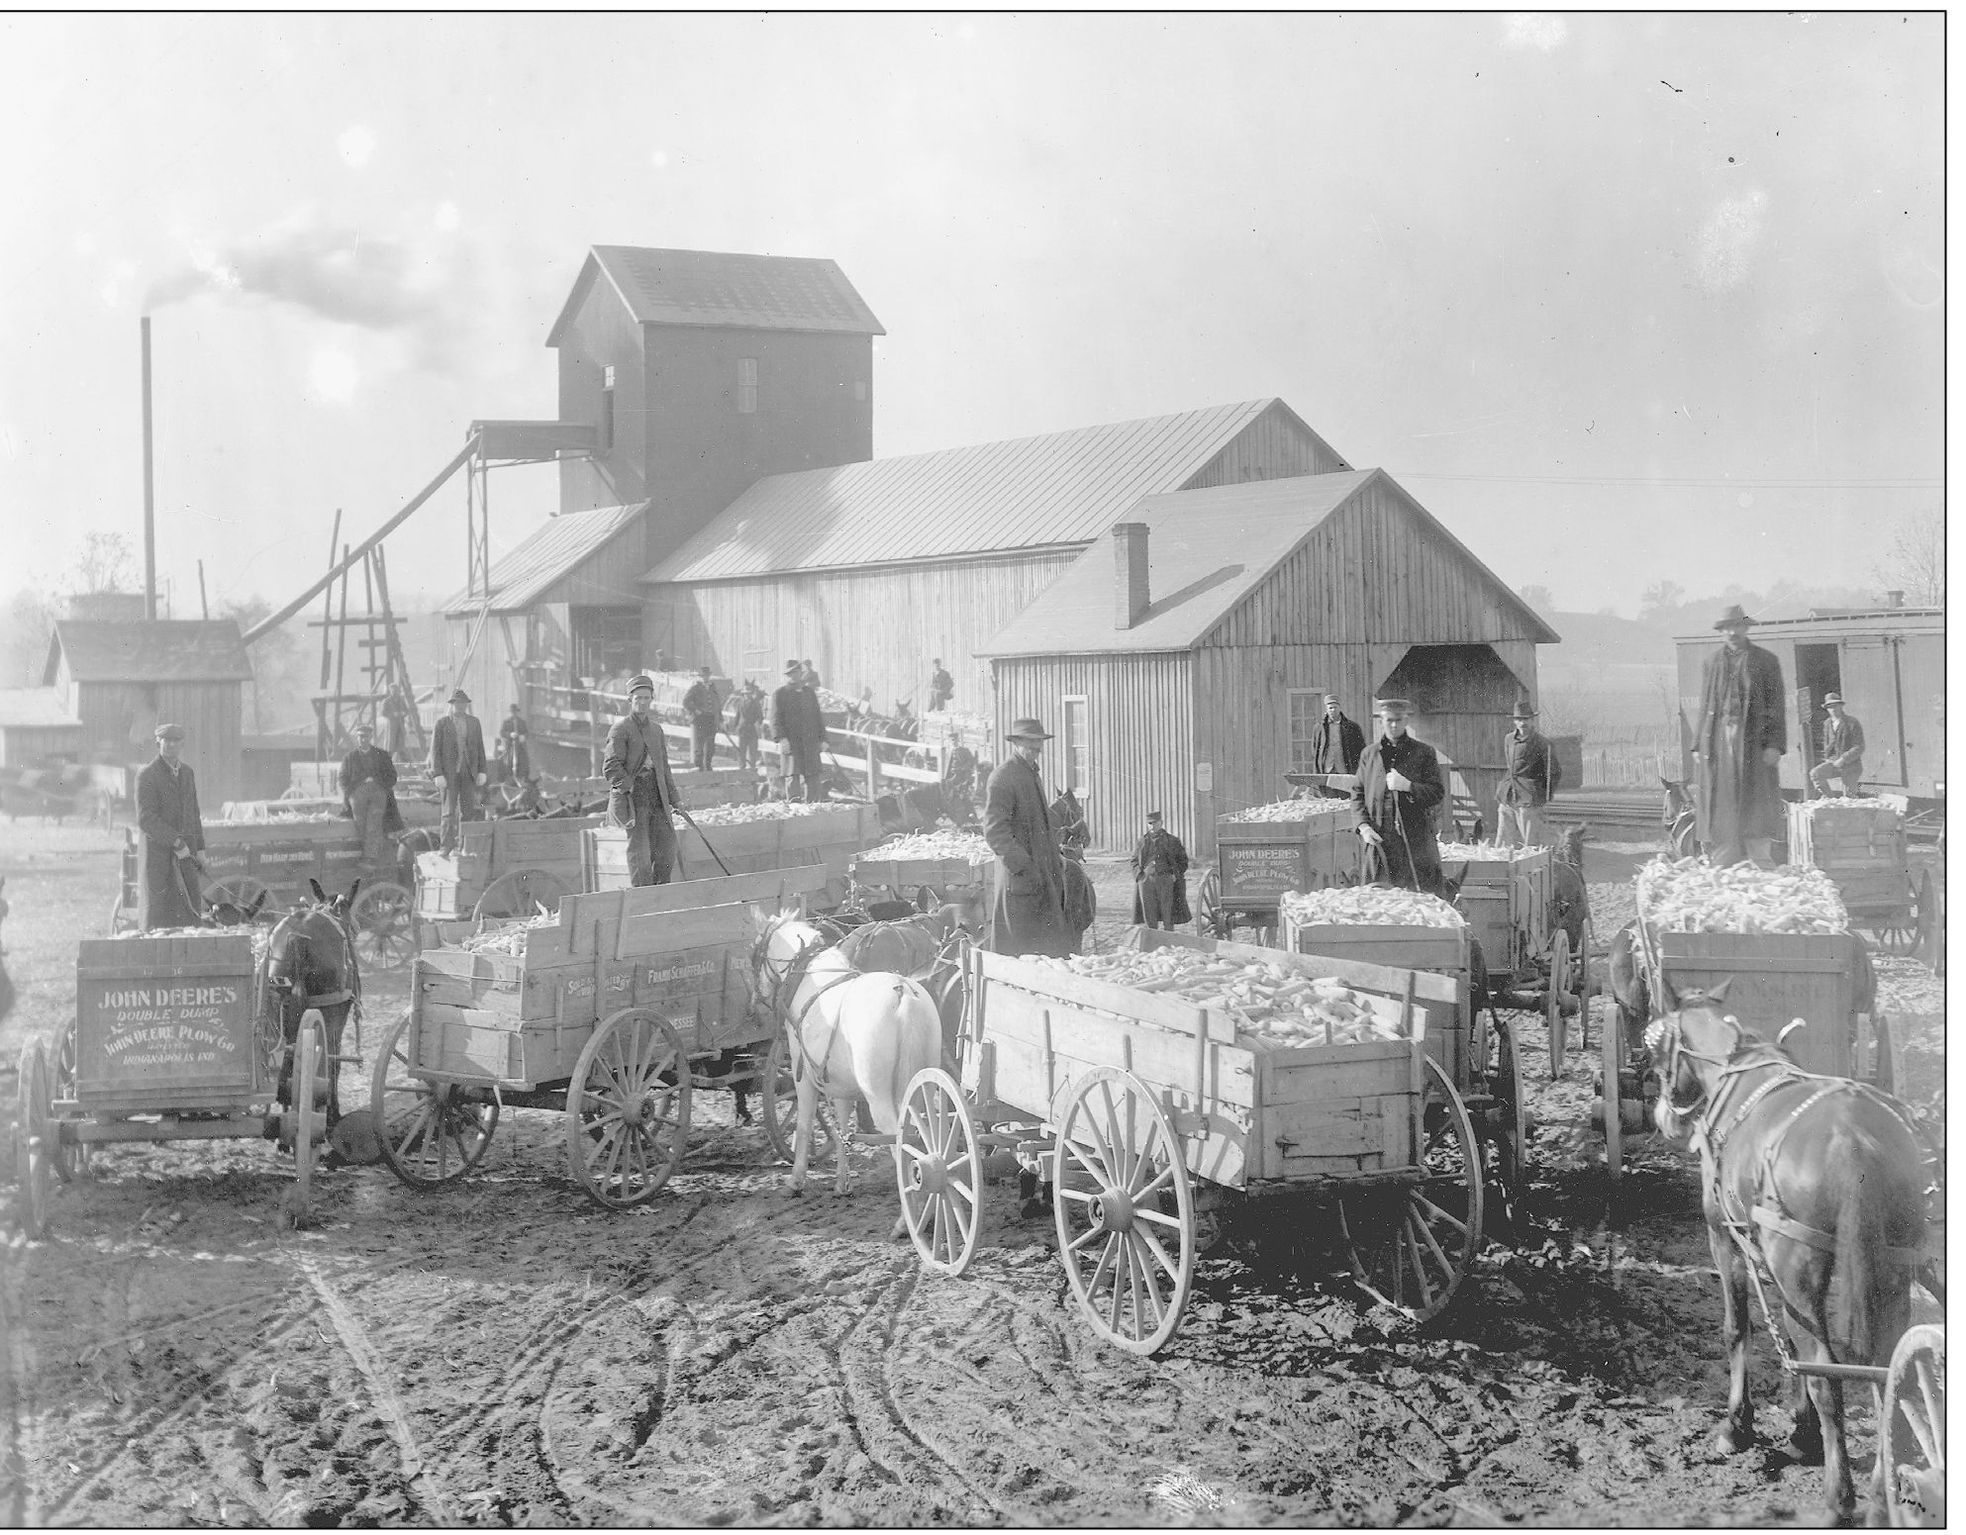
x=628 y=1109
x=1107 y=1204
x=1208 y=907
x=383 y=921
x=1410 y=1249
x=516 y=892
x=1912 y=1430
x=70 y=1162
x=939 y=1172
x=34 y=1134
x=1557 y=1024
x=781 y=1103
x=1614 y=1123
x=431 y=1133
x=1512 y=1132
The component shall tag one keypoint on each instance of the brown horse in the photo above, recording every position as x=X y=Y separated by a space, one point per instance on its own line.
x=310 y=964
x=1812 y=1185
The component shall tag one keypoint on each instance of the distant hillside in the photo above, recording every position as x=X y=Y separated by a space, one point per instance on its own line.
x=1598 y=639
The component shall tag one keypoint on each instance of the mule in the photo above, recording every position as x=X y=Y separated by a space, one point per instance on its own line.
x=1812 y=1186
x=1570 y=897
x=922 y=807
x=1679 y=818
x=310 y=964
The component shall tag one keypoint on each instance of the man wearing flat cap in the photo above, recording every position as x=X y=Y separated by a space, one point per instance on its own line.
x=1028 y=913
x=800 y=730
x=642 y=793
x=1160 y=885
x=457 y=766
x=368 y=794
x=1338 y=743
x=1393 y=804
x=1843 y=752
x=1737 y=747
x=704 y=709
x=173 y=837
x=1533 y=776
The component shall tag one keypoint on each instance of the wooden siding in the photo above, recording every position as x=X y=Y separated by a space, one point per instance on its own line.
x=1373 y=572
x=488 y=676
x=26 y=746
x=1141 y=727
x=604 y=333
x=875 y=628
x=119 y=720
x=1462 y=698
x=1272 y=447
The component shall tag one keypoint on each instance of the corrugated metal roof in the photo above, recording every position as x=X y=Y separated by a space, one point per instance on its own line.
x=547 y=555
x=671 y=287
x=168 y=650
x=1062 y=488
x=35 y=709
x=1206 y=551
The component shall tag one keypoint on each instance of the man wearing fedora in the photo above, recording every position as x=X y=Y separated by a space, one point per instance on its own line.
x=1533 y=776
x=1028 y=913
x=1738 y=745
x=1393 y=803
x=1160 y=868
x=1843 y=752
x=457 y=766
x=800 y=730
x=641 y=788
x=173 y=836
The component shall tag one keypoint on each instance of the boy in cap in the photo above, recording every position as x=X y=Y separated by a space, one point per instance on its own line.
x=1533 y=775
x=1338 y=743
x=173 y=836
x=1399 y=787
x=702 y=706
x=800 y=730
x=368 y=794
x=1737 y=747
x=1843 y=752
x=642 y=793
x=1160 y=867
x=1028 y=913
x=457 y=766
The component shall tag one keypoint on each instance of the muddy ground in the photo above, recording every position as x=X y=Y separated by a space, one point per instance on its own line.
x=501 y=1352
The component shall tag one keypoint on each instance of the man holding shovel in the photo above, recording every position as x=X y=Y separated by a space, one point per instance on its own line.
x=641 y=789
x=173 y=836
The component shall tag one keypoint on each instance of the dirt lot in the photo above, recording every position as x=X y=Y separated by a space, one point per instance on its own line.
x=503 y=1353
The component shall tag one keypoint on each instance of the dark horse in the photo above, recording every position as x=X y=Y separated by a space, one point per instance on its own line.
x=310 y=964
x=1811 y=1184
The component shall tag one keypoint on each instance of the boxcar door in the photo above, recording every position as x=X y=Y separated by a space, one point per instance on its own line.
x=1870 y=688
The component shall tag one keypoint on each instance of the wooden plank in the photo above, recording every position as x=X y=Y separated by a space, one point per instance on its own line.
x=1089 y=992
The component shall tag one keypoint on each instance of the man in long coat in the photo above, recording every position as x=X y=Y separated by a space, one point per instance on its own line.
x=457 y=764
x=703 y=707
x=1160 y=877
x=1533 y=776
x=1338 y=743
x=800 y=730
x=1399 y=788
x=641 y=789
x=173 y=836
x=1738 y=745
x=368 y=793
x=1027 y=915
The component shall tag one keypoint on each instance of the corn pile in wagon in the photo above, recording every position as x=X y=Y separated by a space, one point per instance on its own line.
x=963 y=846
x=507 y=937
x=1368 y=906
x=766 y=810
x=1277 y=1006
x=1496 y=852
x=1691 y=895
x=1292 y=810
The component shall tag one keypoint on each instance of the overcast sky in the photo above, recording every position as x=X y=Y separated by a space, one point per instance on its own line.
x=1617 y=297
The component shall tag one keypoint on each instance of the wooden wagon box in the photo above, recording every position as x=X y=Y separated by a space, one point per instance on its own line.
x=167 y=1023
x=831 y=837
x=1263 y=860
x=1440 y=950
x=682 y=950
x=719 y=786
x=1775 y=978
x=285 y=855
x=872 y=869
x=1859 y=844
x=1507 y=903
x=1244 y=1109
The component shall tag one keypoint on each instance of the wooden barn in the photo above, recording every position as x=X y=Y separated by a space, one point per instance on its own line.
x=873 y=569
x=1182 y=660
x=37 y=729
x=122 y=679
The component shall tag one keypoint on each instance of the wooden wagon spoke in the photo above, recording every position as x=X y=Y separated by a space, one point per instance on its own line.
x=1436 y=1213
x=1426 y=1230
x=1152 y=1244
x=1091 y=1235
x=1162 y=1182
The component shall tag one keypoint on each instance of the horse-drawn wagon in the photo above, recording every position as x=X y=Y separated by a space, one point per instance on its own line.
x=503 y=868
x=1861 y=844
x=611 y=1011
x=1155 y=1113
x=1267 y=852
x=924 y=867
x=749 y=839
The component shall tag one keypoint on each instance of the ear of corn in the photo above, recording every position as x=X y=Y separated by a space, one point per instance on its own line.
x=1691 y=895
x=1291 y=810
x=1369 y=906
x=944 y=844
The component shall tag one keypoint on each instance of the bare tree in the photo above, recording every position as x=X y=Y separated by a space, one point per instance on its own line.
x=1659 y=599
x=1538 y=597
x=105 y=563
x=1914 y=562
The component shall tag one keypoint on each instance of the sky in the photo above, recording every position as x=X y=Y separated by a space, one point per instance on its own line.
x=1618 y=298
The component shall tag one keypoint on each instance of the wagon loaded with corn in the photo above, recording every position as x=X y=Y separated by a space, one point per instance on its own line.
x=748 y=839
x=503 y=869
x=927 y=868
x=1267 y=852
x=1861 y=844
x=1164 y=1087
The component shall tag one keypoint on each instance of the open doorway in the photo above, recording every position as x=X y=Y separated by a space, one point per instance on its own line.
x=1818 y=673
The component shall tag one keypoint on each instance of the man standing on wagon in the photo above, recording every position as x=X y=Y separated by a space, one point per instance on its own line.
x=368 y=793
x=1738 y=746
x=642 y=793
x=1533 y=775
x=173 y=836
x=1028 y=913
x=1394 y=800
x=800 y=730
x=457 y=766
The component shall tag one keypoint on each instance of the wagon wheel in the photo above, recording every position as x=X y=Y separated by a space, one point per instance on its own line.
x=1558 y=1025
x=239 y=890
x=1115 y=1159
x=1511 y=1135
x=34 y=1139
x=781 y=1104
x=519 y=892
x=1411 y=1249
x=383 y=920
x=303 y=1116
x=122 y=917
x=939 y=1171
x=628 y=1109
x=1915 y=1419
x=1209 y=920
x=431 y=1132
x=69 y=1161
x=1614 y=1065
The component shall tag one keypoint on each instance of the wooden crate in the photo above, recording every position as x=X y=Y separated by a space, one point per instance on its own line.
x=1440 y=950
x=1244 y=1109
x=1860 y=845
x=833 y=837
x=1507 y=903
x=1261 y=861
x=872 y=869
x=167 y=1023
x=1773 y=978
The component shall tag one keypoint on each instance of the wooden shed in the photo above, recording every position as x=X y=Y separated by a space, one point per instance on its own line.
x=122 y=679
x=37 y=728
x=874 y=569
x=1183 y=659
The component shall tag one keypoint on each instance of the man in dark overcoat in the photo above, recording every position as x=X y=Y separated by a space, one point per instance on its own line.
x=941 y=686
x=1338 y=743
x=1737 y=747
x=1027 y=915
x=799 y=729
x=1160 y=877
x=703 y=707
x=642 y=793
x=457 y=765
x=1533 y=777
x=1399 y=788
x=368 y=793
x=748 y=711
x=173 y=836
x=1843 y=752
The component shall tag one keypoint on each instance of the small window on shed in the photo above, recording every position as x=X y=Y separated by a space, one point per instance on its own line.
x=1306 y=709
x=747 y=386
x=605 y=431
x=1078 y=744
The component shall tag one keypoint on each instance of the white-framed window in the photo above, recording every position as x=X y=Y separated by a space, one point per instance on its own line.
x=1306 y=709
x=1078 y=744
x=747 y=386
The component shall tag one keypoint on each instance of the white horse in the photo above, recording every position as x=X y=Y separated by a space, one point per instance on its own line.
x=855 y=1036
